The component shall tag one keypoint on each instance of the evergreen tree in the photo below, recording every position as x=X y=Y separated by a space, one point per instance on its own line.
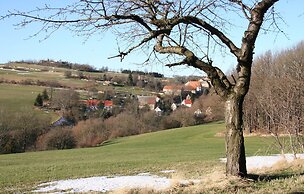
x=45 y=95
x=39 y=100
x=130 y=80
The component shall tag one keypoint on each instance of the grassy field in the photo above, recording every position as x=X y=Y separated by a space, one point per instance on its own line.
x=192 y=151
x=16 y=98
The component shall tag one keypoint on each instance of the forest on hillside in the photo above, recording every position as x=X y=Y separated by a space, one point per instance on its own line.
x=275 y=102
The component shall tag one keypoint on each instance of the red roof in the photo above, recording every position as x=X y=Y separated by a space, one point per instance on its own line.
x=108 y=103
x=172 y=87
x=193 y=85
x=187 y=101
x=92 y=102
x=168 y=87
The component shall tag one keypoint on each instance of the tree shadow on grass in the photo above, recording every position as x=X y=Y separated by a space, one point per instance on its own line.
x=107 y=143
x=301 y=192
x=258 y=177
x=268 y=178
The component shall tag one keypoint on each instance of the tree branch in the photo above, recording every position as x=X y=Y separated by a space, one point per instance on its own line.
x=213 y=31
x=218 y=79
x=250 y=35
x=244 y=8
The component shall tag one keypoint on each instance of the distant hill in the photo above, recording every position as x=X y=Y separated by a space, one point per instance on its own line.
x=61 y=64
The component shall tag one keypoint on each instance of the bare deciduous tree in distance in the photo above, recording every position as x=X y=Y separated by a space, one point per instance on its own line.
x=183 y=31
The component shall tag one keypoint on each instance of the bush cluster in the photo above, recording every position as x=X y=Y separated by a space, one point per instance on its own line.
x=27 y=130
x=19 y=131
x=57 y=138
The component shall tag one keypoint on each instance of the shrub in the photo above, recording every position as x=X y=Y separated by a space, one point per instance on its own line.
x=5 y=143
x=27 y=82
x=68 y=74
x=124 y=124
x=151 y=122
x=185 y=116
x=213 y=108
x=53 y=83
x=19 y=131
x=90 y=132
x=60 y=138
x=169 y=123
x=13 y=142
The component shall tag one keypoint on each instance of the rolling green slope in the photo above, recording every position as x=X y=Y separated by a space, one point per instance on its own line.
x=15 y=98
x=191 y=151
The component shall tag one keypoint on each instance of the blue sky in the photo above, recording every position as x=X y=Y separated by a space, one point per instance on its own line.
x=65 y=46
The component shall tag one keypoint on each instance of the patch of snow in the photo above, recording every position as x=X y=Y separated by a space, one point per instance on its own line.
x=257 y=162
x=167 y=171
x=105 y=184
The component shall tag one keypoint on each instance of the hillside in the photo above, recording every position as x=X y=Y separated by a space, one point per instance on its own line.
x=49 y=76
x=21 y=82
x=192 y=152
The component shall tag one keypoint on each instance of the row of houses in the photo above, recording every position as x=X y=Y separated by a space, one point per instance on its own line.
x=152 y=102
x=183 y=97
x=143 y=101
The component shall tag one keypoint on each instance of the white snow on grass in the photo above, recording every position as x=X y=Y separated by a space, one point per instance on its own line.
x=167 y=171
x=144 y=180
x=258 y=162
x=104 y=184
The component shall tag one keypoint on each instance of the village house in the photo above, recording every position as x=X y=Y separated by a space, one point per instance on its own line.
x=94 y=104
x=173 y=106
x=193 y=87
x=172 y=89
x=158 y=111
x=197 y=87
x=205 y=82
x=187 y=102
x=147 y=101
x=108 y=104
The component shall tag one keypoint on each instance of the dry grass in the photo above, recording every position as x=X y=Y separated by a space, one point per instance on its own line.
x=282 y=165
x=282 y=178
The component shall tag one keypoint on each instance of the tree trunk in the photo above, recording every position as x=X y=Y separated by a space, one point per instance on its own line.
x=235 y=149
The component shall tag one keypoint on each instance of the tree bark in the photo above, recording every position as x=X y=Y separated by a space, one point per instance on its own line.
x=235 y=149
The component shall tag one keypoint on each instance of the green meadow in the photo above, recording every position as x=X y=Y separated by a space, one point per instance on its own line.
x=191 y=151
x=16 y=98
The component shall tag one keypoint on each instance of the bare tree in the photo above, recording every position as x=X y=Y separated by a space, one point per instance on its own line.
x=183 y=31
